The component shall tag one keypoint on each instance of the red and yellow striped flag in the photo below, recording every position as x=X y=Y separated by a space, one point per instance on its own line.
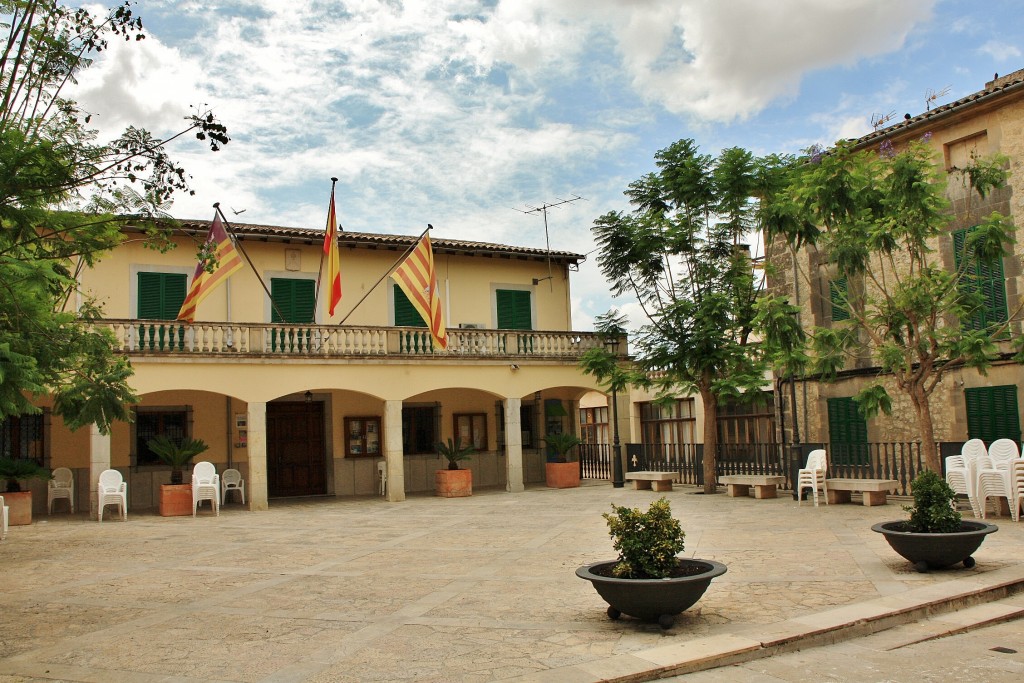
x=418 y=280
x=331 y=254
x=228 y=260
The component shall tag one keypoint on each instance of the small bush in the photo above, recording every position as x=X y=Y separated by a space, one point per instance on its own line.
x=933 y=511
x=647 y=542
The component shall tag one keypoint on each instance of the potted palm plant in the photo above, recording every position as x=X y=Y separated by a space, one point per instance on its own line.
x=176 y=497
x=454 y=482
x=935 y=536
x=564 y=471
x=13 y=471
x=648 y=581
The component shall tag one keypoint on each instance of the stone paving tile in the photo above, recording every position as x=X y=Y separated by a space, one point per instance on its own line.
x=473 y=589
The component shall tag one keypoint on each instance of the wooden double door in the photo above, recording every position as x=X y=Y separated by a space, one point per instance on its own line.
x=296 y=457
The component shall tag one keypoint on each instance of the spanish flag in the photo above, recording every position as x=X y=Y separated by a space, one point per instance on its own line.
x=416 y=276
x=226 y=260
x=331 y=256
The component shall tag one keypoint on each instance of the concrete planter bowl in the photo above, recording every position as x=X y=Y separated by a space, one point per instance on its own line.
x=657 y=600
x=936 y=551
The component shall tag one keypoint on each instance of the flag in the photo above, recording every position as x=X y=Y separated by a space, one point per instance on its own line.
x=416 y=276
x=220 y=247
x=331 y=255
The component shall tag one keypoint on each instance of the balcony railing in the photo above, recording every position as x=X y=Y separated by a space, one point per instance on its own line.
x=234 y=339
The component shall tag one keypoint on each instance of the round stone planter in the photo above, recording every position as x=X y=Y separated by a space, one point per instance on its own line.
x=652 y=599
x=562 y=475
x=935 y=551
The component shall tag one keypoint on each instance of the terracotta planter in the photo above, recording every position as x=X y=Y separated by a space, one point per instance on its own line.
x=652 y=599
x=21 y=507
x=453 y=483
x=562 y=475
x=936 y=551
x=175 y=500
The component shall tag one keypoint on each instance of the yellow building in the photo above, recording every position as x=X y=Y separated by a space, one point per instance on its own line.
x=307 y=404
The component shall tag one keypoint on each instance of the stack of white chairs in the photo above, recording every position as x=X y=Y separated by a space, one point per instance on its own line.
x=111 y=490
x=812 y=476
x=994 y=474
x=5 y=514
x=62 y=485
x=971 y=451
x=205 y=486
x=1016 y=488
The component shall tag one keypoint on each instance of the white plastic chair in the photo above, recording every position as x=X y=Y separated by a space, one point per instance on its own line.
x=205 y=486
x=112 y=490
x=231 y=480
x=993 y=482
x=972 y=451
x=382 y=476
x=959 y=477
x=812 y=476
x=1016 y=488
x=61 y=486
x=5 y=514
x=1003 y=450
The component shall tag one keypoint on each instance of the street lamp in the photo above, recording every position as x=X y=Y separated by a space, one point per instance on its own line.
x=617 y=480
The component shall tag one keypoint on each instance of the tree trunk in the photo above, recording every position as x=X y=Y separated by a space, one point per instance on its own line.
x=922 y=407
x=710 y=460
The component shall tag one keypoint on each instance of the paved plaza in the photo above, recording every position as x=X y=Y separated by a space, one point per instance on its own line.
x=435 y=589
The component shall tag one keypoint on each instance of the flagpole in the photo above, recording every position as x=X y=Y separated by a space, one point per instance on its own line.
x=390 y=270
x=238 y=243
x=327 y=227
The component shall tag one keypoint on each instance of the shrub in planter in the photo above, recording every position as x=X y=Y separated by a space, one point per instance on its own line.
x=177 y=454
x=934 y=509
x=454 y=482
x=13 y=471
x=647 y=542
x=564 y=472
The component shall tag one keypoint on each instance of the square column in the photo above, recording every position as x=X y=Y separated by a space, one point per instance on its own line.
x=513 y=446
x=393 y=456
x=99 y=460
x=257 y=447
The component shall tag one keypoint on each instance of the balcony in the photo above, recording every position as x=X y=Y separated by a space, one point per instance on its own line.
x=168 y=338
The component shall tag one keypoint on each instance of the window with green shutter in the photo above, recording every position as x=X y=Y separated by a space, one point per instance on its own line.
x=295 y=304
x=838 y=292
x=848 y=432
x=985 y=277
x=160 y=296
x=514 y=309
x=992 y=413
x=406 y=314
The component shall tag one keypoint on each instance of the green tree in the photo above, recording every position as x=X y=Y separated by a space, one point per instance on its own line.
x=681 y=251
x=880 y=221
x=64 y=197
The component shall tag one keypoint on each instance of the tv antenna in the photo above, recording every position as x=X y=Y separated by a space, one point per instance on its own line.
x=543 y=210
x=879 y=120
x=930 y=96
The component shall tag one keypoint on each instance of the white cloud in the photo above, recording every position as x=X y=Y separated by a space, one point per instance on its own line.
x=1000 y=51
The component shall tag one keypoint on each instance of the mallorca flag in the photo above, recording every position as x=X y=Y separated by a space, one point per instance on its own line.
x=418 y=280
x=227 y=262
x=331 y=254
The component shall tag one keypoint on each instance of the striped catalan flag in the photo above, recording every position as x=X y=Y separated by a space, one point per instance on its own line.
x=228 y=261
x=332 y=258
x=417 y=278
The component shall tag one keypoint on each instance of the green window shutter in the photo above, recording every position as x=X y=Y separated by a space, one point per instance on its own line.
x=992 y=413
x=160 y=295
x=848 y=432
x=294 y=300
x=838 y=293
x=406 y=314
x=984 y=277
x=514 y=309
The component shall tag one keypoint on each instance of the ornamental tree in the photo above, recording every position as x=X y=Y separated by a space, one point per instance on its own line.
x=881 y=222
x=681 y=252
x=64 y=196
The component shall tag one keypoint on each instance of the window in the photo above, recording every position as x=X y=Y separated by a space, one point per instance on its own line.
x=406 y=314
x=671 y=424
x=594 y=425
x=992 y=413
x=420 y=433
x=174 y=423
x=471 y=428
x=527 y=424
x=21 y=438
x=985 y=278
x=838 y=293
x=160 y=295
x=294 y=300
x=848 y=432
x=515 y=311
x=747 y=423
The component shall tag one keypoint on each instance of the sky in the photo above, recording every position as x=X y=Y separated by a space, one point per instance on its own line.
x=467 y=114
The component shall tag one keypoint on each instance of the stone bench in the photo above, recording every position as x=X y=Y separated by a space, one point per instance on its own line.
x=874 y=490
x=765 y=485
x=645 y=481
